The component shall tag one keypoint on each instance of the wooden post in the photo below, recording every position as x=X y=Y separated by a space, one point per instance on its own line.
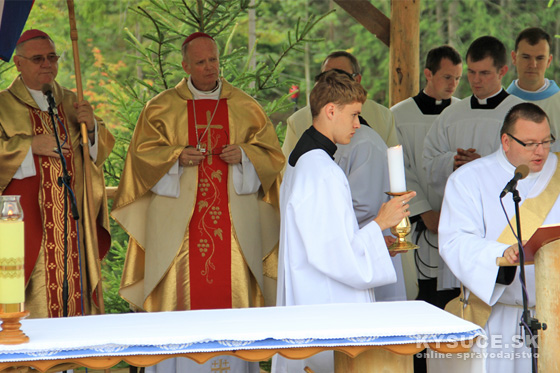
x=547 y=284
x=405 y=50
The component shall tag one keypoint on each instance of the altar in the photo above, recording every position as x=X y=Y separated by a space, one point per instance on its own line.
x=253 y=334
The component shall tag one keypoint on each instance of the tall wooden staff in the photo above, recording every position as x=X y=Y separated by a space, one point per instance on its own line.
x=87 y=167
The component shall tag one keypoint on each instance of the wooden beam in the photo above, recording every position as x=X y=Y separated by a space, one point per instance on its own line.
x=405 y=50
x=368 y=16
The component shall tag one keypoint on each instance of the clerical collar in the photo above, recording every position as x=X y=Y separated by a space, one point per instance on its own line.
x=39 y=98
x=489 y=103
x=541 y=89
x=429 y=105
x=311 y=139
x=506 y=164
x=214 y=94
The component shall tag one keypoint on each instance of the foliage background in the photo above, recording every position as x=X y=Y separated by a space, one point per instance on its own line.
x=125 y=61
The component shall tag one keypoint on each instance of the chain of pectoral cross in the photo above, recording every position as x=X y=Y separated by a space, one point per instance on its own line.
x=208 y=125
x=208 y=129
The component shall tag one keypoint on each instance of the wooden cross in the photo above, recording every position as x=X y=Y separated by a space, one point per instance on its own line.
x=209 y=133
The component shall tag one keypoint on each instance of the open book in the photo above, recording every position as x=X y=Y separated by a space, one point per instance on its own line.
x=542 y=236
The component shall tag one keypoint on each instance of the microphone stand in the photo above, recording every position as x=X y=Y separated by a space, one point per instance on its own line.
x=527 y=322
x=64 y=181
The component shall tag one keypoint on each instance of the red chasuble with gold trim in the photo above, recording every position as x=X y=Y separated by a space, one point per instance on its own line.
x=210 y=225
x=43 y=208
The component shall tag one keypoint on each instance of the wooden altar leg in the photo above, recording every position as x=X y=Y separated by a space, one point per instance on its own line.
x=373 y=361
x=547 y=283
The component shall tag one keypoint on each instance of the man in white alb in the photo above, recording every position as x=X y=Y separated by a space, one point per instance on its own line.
x=470 y=129
x=324 y=256
x=532 y=58
x=363 y=160
x=474 y=231
x=413 y=118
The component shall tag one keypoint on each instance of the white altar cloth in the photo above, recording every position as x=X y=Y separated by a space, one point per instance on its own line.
x=160 y=333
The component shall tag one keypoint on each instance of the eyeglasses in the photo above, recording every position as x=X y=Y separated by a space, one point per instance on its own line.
x=533 y=145
x=38 y=59
x=340 y=71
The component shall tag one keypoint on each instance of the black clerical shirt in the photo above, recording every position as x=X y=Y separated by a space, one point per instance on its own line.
x=428 y=105
x=311 y=139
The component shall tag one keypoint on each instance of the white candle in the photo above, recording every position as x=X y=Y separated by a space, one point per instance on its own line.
x=396 y=169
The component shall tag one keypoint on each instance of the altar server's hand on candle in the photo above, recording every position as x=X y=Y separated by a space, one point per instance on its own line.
x=190 y=157
x=391 y=213
x=389 y=240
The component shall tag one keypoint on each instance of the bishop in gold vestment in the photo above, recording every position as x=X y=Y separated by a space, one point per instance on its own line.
x=233 y=231
x=33 y=173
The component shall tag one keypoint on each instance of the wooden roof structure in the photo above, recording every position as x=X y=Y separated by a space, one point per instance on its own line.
x=401 y=33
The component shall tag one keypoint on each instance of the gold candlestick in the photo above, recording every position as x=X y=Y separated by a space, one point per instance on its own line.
x=401 y=230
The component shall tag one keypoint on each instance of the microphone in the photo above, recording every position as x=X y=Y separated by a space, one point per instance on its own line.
x=521 y=172
x=47 y=91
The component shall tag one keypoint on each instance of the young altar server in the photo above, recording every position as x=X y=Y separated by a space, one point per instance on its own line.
x=324 y=256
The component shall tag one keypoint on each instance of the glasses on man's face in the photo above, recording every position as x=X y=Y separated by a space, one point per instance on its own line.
x=352 y=76
x=533 y=145
x=38 y=59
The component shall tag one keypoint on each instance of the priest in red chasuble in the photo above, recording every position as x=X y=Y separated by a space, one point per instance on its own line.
x=199 y=193
x=31 y=166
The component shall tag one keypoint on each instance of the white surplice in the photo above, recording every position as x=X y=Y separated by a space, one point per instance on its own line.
x=324 y=256
x=461 y=126
x=471 y=221
x=364 y=162
x=412 y=127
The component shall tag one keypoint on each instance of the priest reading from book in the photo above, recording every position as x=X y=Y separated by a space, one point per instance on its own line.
x=474 y=230
x=324 y=256
x=198 y=192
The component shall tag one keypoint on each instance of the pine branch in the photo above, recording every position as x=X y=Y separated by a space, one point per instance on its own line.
x=300 y=38
x=160 y=43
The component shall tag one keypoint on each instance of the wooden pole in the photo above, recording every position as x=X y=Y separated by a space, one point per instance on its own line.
x=547 y=285
x=405 y=50
x=87 y=166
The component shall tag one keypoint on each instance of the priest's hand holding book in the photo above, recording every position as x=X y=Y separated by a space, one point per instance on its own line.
x=393 y=211
x=512 y=253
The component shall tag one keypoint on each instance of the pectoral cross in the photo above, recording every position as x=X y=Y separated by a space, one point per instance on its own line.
x=210 y=126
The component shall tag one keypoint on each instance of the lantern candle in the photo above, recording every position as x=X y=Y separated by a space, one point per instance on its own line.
x=12 y=279
x=396 y=169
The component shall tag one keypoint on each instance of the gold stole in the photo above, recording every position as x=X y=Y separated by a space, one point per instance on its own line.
x=534 y=211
